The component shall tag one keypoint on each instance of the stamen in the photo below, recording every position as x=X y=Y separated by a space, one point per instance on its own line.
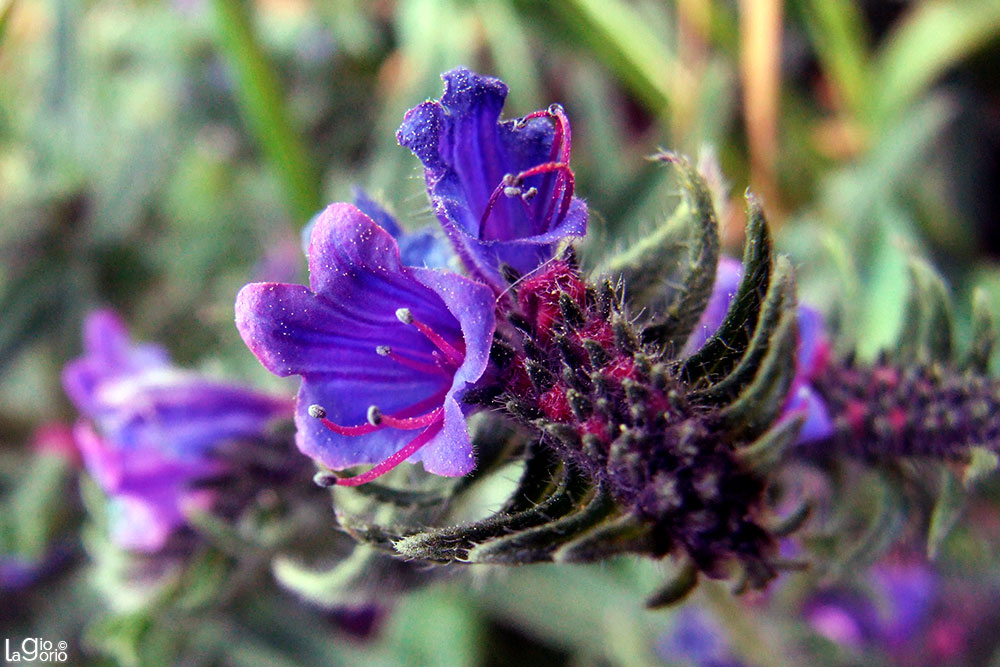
x=568 y=183
x=386 y=351
x=409 y=423
x=562 y=141
x=377 y=421
x=453 y=355
x=394 y=460
x=507 y=181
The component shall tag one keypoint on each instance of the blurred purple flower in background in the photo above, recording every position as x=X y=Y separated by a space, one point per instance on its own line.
x=384 y=350
x=502 y=190
x=153 y=432
x=696 y=638
x=892 y=612
x=811 y=358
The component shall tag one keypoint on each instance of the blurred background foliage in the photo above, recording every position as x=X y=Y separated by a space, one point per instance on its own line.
x=156 y=156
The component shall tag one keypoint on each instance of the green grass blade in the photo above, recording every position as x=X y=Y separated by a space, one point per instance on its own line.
x=935 y=37
x=264 y=110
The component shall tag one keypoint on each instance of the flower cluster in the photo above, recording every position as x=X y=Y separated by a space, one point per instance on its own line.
x=153 y=434
x=386 y=346
x=394 y=355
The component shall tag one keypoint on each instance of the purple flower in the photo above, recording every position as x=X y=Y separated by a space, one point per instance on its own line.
x=153 y=431
x=422 y=247
x=384 y=350
x=892 y=611
x=811 y=358
x=502 y=190
x=696 y=638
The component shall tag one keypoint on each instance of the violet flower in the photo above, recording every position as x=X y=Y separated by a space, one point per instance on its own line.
x=502 y=190
x=696 y=638
x=153 y=432
x=892 y=612
x=385 y=351
x=423 y=247
x=811 y=357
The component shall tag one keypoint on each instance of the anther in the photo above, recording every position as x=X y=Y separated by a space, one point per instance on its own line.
x=383 y=350
x=405 y=316
x=374 y=415
x=529 y=194
x=317 y=411
x=512 y=191
x=325 y=479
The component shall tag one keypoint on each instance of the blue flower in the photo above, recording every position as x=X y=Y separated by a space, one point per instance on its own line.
x=423 y=247
x=153 y=431
x=811 y=358
x=502 y=190
x=385 y=351
x=696 y=638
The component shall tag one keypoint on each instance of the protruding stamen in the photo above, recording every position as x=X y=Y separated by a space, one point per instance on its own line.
x=410 y=423
x=508 y=181
x=450 y=352
x=325 y=479
x=386 y=351
x=377 y=421
x=568 y=183
x=394 y=460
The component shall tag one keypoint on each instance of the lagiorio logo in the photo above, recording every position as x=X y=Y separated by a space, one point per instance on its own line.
x=35 y=649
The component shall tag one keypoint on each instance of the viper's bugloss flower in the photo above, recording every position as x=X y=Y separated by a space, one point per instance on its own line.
x=422 y=247
x=891 y=611
x=503 y=190
x=811 y=358
x=152 y=432
x=385 y=351
x=696 y=638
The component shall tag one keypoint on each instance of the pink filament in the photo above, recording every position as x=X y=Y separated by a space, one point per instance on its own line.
x=387 y=421
x=416 y=365
x=453 y=355
x=395 y=459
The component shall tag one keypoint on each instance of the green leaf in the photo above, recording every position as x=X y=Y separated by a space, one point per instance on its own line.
x=885 y=523
x=339 y=585
x=626 y=44
x=676 y=589
x=676 y=294
x=837 y=29
x=927 y=323
x=767 y=451
x=947 y=510
x=722 y=352
x=983 y=462
x=537 y=544
x=627 y=534
x=449 y=544
x=775 y=325
x=984 y=334
x=6 y=10
x=264 y=109
x=934 y=37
